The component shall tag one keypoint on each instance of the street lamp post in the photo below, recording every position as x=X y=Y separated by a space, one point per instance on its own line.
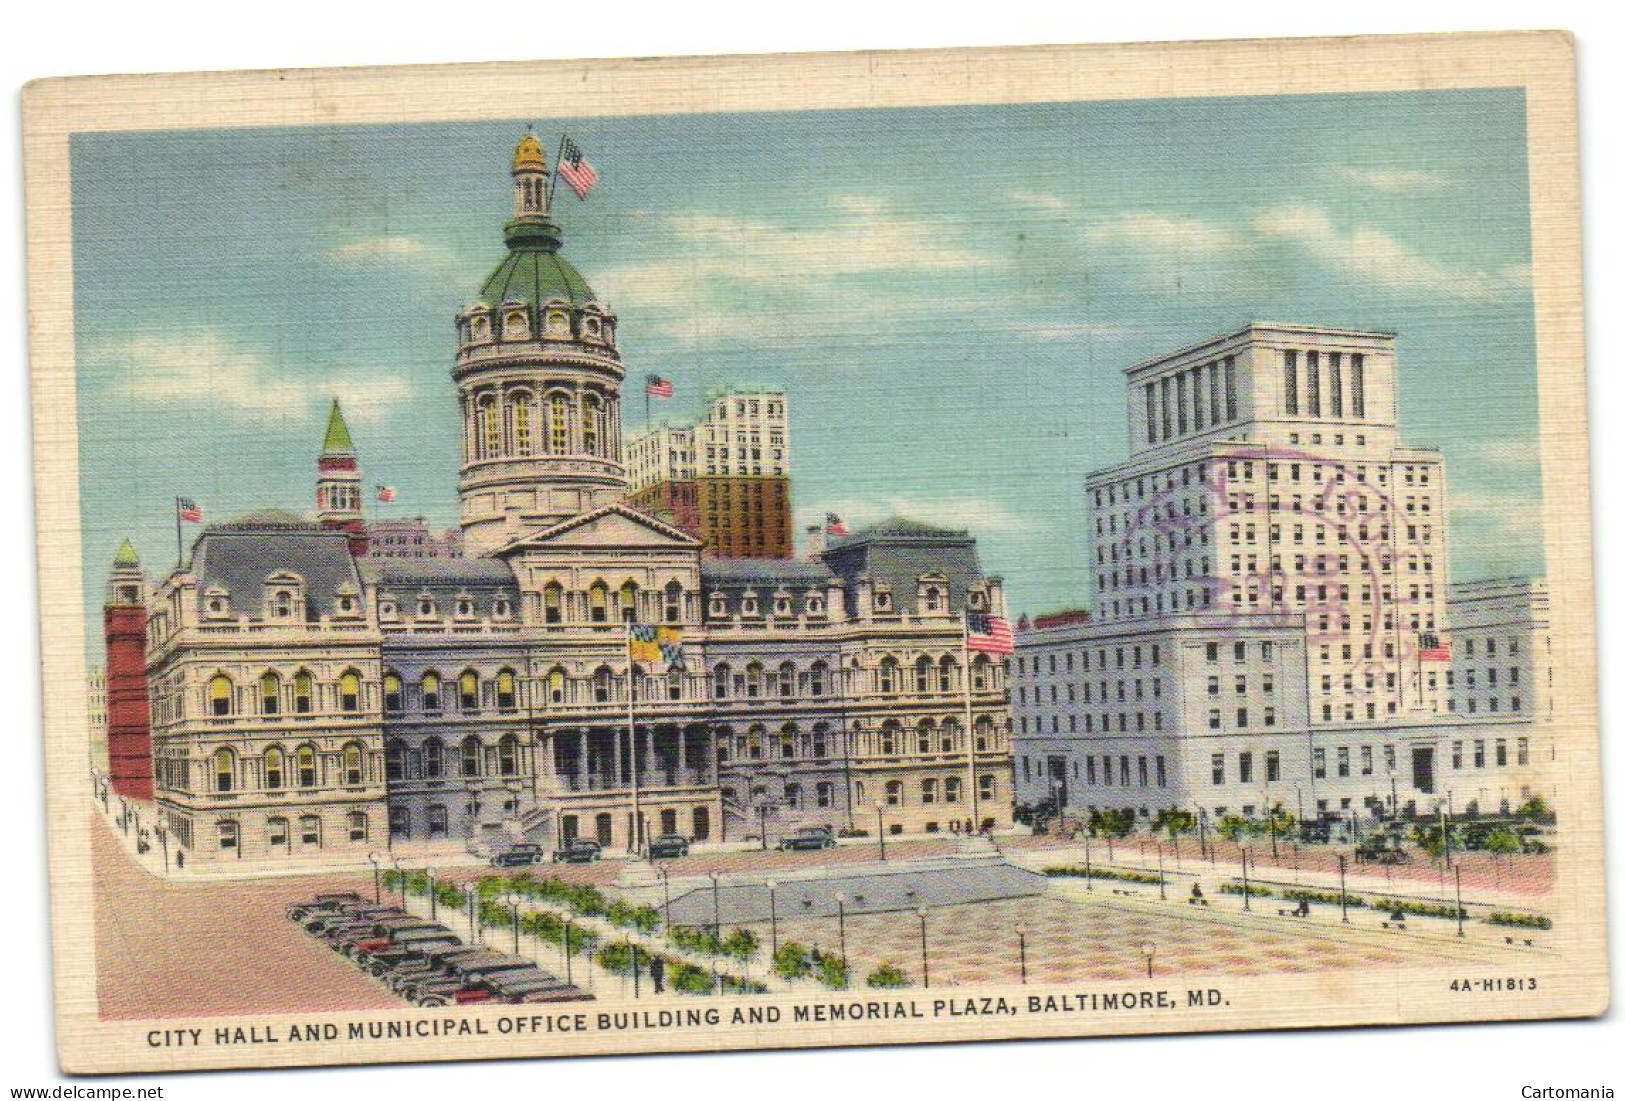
x=1246 y=892
x=1088 y=868
x=1149 y=951
x=1461 y=915
x=434 y=901
x=773 y=914
x=1201 y=826
x=568 y=978
x=473 y=916
x=377 y=882
x=163 y=842
x=840 y=904
x=716 y=906
x=925 y=955
x=665 y=883
x=513 y=903
x=1342 y=885
x=880 y=818
x=1021 y=943
x=763 y=808
x=1162 y=878
x=1275 y=853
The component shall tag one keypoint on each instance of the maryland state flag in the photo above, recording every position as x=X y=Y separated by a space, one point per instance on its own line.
x=661 y=644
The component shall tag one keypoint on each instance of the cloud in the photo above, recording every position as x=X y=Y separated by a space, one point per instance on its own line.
x=1036 y=200
x=1163 y=233
x=978 y=514
x=1392 y=179
x=386 y=246
x=1379 y=258
x=1509 y=455
x=205 y=369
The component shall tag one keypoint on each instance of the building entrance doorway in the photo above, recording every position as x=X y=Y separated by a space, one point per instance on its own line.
x=1422 y=769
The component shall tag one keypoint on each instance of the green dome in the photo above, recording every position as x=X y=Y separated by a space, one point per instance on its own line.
x=533 y=270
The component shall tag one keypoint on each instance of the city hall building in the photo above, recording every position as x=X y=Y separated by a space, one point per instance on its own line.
x=1272 y=618
x=307 y=698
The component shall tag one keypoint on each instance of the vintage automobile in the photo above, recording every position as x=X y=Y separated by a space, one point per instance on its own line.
x=463 y=973
x=326 y=903
x=668 y=846
x=518 y=856
x=578 y=851
x=808 y=838
x=385 y=933
x=426 y=962
x=404 y=947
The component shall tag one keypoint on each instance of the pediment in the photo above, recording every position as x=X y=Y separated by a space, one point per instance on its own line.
x=614 y=526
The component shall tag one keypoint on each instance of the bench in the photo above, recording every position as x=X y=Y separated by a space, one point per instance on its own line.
x=1196 y=901
x=1399 y=925
x=1291 y=913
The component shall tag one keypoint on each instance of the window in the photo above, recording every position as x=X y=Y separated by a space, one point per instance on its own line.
x=507 y=694
x=434 y=759
x=894 y=793
x=352 y=765
x=1244 y=767
x=392 y=692
x=1342 y=760
x=273 y=768
x=508 y=755
x=220 y=691
x=1272 y=766
x=1289 y=382
x=1218 y=768
x=468 y=691
x=719 y=682
x=225 y=769
x=558 y=424
x=598 y=603
x=226 y=830
x=629 y=603
x=989 y=788
x=1319 y=760
x=887 y=680
x=470 y=757
x=395 y=760
x=304 y=691
x=276 y=832
x=350 y=691
x=270 y=693
x=553 y=603
x=305 y=759
x=310 y=830
x=431 y=691
x=928 y=791
x=356 y=821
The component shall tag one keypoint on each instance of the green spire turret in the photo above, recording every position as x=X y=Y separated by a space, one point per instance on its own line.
x=126 y=558
x=337 y=441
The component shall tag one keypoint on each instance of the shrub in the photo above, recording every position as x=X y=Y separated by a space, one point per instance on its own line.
x=689 y=939
x=1421 y=909
x=1074 y=871
x=1332 y=898
x=792 y=961
x=1233 y=828
x=688 y=979
x=392 y=879
x=449 y=894
x=1252 y=889
x=732 y=984
x=617 y=958
x=1521 y=921
x=833 y=973
x=887 y=977
x=740 y=944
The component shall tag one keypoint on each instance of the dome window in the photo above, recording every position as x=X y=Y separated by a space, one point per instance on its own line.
x=515 y=325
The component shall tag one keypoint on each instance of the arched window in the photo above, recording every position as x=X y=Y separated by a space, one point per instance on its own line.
x=273 y=767
x=753 y=679
x=508 y=755
x=468 y=690
x=922 y=675
x=887 y=679
x=720 y=677
x=434 y=758
x=558 y=424
x=305 y=759
x=519 y=408
x=304 y=693
x=629 y=602
x=555 y=685
x=979 y=673
x=350 y=691
x=894 y=793
x=490 y=429
x=220 y=693
x=787 y=679
x=356 y=822
x=598 y=602
x=225 y=769
x=951 y=790
x=888 y=739
x=950 y=736
x=946 y=669
x=787 y=741
x=591 y=423
x=933 y=599
x=393 y=700
x=602 y=679
x=352 y=765
x=817 y=678
x=923 y=735
x=928 y=791
x=395 y=760
x=431 y=691
x=507 y=692
x=674 y=602
x=674 y=684
x=792 y=796
x=470 y=756
x=270 y=694
x=553 y=603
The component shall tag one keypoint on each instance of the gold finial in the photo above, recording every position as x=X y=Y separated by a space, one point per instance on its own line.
x=528 y=153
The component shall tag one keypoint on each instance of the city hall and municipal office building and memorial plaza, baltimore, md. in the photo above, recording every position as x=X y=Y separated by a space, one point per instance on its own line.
x=1272 y=625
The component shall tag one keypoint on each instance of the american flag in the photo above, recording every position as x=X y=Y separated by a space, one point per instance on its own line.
x=1433 y=648
x=834 y=525
x=189 y=510
x=658 y=387
x=386 y=493
x=989 y=633
x=575 y=170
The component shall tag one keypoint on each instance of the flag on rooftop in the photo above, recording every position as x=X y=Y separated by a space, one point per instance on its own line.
x=989 y=633
x=386 y=493
x=189 y=510
x=834 y=525
x=575 y=170
x=658 y=387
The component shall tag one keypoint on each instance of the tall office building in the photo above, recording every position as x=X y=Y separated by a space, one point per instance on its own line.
x=725 y=480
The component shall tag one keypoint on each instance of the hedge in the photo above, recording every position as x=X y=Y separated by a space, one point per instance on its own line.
x=1074 y=871
x=1520 y=921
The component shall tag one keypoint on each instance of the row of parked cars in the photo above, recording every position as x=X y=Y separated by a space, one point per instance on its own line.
x=424 y=961
x=668 y=846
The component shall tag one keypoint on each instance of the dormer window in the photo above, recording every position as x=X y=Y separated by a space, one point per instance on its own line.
x=515 y=325
x=750 y=606
x=502 y=608
x=882 y=600
x=426 y=608
x=978 y=599
x=347 y=601
x=781 y=604
x=932 y=600
x=719 y=605
x=815 y=605
x=216 y=604
x=388 y=610
x=465 y=606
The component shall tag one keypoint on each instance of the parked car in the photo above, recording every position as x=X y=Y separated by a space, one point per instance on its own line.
x=578 y=851
x=325 y=903
x=518 y=856
x=463 y=973
x=327 y=924
x=403 y=948
x=426 y=962
x=808 y=837
x=668 y=846
x=519 y=986
x=387 y=933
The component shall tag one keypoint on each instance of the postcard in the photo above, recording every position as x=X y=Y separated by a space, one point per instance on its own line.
x=791 y=551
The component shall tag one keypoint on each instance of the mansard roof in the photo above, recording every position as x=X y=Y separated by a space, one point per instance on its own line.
x=763 y=573
x=241 y=556
x=897 y=552
x=401 y=574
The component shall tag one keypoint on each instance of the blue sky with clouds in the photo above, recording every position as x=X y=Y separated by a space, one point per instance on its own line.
x=949 y=295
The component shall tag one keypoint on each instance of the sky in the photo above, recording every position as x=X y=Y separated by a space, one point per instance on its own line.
x=948 y=295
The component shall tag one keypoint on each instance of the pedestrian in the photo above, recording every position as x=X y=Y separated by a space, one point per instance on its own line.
x=657 y=973
x=1196 y=892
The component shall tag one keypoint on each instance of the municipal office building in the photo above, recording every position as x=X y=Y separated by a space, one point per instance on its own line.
x=303 y=697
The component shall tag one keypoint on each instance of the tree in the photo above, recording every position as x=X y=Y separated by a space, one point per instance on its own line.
x=793 y=961
x=1111 y=823
x=887 y=977
x=740 y=944
x=1233 y=827
x=833 y=973
x=1535 y=810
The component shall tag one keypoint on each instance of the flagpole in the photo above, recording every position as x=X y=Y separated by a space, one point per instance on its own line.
x=178 y=551
x=553 y=182
x=970 y=732
x=632 y=733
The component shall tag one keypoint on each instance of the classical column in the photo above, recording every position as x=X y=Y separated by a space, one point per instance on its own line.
x=682 y=752
x=581 y=758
